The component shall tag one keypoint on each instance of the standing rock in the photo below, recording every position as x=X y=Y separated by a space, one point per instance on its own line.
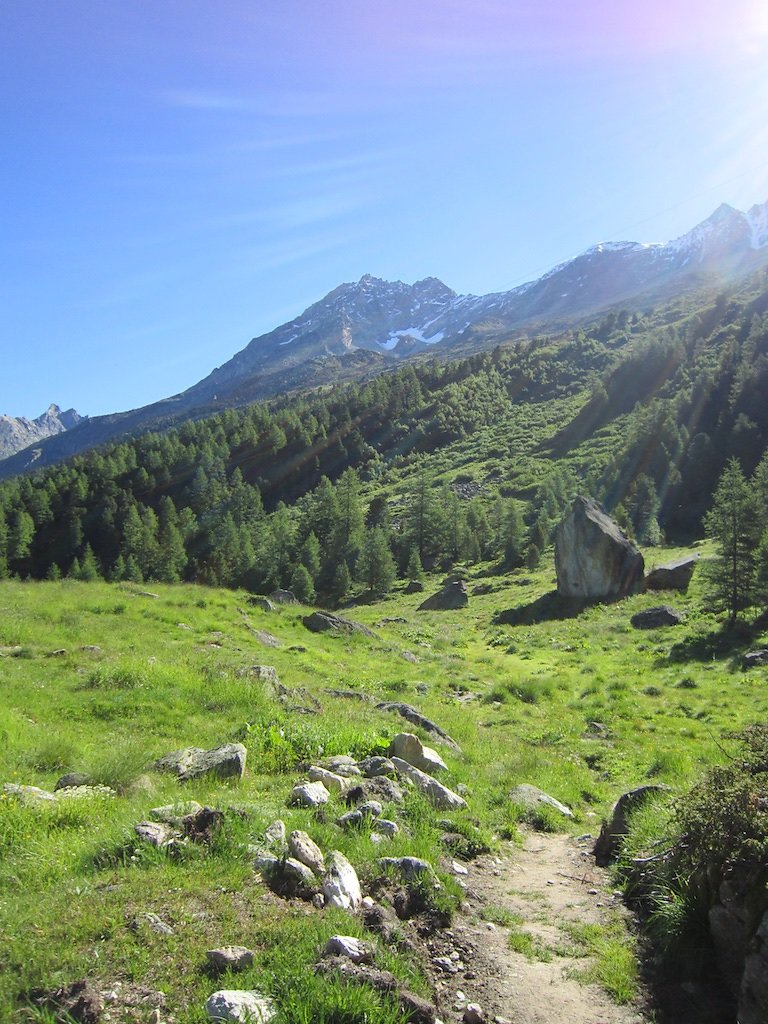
x=341 y=886
x=223 y=762
x=672 y=575
x=439 y=795
x=594 y=559
x=239 y=1007
x=307 y=851
x=453 y=595
x=409 y=748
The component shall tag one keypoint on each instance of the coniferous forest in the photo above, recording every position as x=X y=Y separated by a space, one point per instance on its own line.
x=433 y=464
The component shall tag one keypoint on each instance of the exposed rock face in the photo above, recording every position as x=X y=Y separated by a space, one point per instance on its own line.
x=594 y=559
x=17 y=432
x=613 y=831
x=656 y=618
x=191 y=763
x=738 y=923
x=452 y=596
x=323 y=622
x=672 y=575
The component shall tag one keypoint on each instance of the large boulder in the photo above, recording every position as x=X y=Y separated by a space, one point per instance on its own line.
x=674 y=575
x=453 y=595
x=410 y=748
x=594 y=559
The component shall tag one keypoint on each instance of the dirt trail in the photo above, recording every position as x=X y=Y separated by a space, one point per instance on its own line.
x=549 y=883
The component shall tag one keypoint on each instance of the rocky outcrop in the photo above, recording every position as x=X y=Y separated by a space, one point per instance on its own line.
x=656 y=618
x=674 y=575
x=17 y=432
x=594 y=559
x=738 y=924
x=453 y=595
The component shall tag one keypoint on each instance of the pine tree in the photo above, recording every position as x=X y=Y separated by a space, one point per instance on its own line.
x=414 y=570
x=377 y=566
x=341 y=583
x=731 y=523
x=301 y=584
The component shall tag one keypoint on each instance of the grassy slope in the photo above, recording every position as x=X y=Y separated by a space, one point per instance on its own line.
x=74 y=879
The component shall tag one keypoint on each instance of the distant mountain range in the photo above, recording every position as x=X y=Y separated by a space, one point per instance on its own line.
x=17 y=432
x=360 y=329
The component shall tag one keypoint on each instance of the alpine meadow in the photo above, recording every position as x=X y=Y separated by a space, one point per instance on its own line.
x=384 y=609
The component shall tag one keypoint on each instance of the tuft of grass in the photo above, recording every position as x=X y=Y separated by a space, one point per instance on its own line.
x=613 y=955
x=530 y=946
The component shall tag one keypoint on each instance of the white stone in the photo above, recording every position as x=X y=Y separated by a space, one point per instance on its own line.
x=275 y=833
x=348 y=946
x=341 y=886
x=309 y=794
x=240 y=1007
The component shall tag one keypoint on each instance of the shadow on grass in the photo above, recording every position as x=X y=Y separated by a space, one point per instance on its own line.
x=545 y=608
x=728 y=642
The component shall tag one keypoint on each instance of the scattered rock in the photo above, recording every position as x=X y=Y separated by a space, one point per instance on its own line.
x=410 y=869
x=240 y=1007
x=156 y=833
x=283 y=597
x=655 y=618
x=473 y=1014
x=452 y=596
x=385 y=827
x=329 y=779
x=58 y=653
x=264 y=673
x=415 y=1009
x=341 y=886
x=594 y=559
x=674 y=575
x=410 y=714
x=154 y=922
x=613 y=831
x=28 y=794
x=275 y=833
x=483 y=588
x=342 y=764
x=258 y=601
x=306 y=851
x=380 y=788
x=12 y=651
x=201 y=825
x=353 y=949
x=222 y=762
x=265 y=638
x=413 y=587
x=309 y=794
x=409 y=748
x=230 y=958
x=375 y=765
x=323 y=622
x=172 y=814
x=753 y=658
x=410 y=657
x=531 y=797
x=439 y=795
x=71 y=780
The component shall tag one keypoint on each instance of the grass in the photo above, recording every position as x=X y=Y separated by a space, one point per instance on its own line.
x=582 y=708
x=613 y=957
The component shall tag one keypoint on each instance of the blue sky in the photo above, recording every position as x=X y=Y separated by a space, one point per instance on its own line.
x=179 y=176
